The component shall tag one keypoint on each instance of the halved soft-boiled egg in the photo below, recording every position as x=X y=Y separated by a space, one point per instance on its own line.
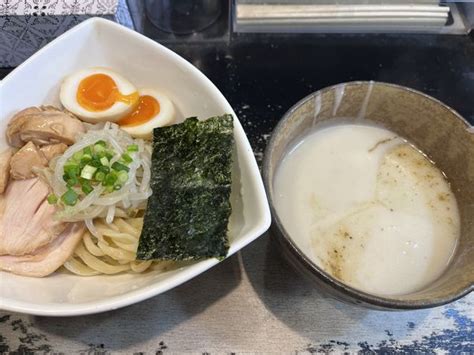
x=98 y=94
x=154 y=109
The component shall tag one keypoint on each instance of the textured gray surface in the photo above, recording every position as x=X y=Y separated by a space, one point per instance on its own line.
x=23 y=35
x=252 y=302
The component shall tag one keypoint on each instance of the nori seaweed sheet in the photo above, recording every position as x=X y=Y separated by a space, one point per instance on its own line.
x=188 y=212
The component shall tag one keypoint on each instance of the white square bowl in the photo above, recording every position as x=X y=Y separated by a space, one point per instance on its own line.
x=98 y=42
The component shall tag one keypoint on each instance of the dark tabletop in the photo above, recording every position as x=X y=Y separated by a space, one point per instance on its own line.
x=262 y=75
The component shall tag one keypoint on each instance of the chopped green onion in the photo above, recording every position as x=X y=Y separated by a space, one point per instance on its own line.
x=95 y=163
x=86 y=158
x=88 y=172
x=71 y=169
x=120 y=167
x=127 y=158
x=104 y=169
x=99 y=148
x=132 y=148
x=101 y=155
x=72 y=176
x=86 y=187
x=52 y=199
x=99 y=176
x=104 y=161
x=69 y=198
x=77 y=155
x=91 y=166
x=72 y=181
x=110 y=179
x=122 y=177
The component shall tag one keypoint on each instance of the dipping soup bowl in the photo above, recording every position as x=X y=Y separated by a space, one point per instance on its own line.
x=434 y=128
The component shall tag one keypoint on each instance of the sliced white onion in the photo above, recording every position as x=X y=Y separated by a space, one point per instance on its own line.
x=134 y=192
x=110 y=214
x=90 y=225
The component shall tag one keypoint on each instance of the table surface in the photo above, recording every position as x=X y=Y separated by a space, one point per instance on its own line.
x=253 y=301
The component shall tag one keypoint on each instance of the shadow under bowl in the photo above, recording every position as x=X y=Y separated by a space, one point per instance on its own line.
x=436 y=129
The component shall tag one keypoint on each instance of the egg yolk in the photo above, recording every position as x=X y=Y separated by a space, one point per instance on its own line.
x=99 y=92
x=147 y=108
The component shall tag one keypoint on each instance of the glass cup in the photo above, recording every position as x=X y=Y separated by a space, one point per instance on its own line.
x=183 y=16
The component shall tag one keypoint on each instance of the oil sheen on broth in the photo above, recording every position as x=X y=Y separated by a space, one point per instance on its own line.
x=368 y=208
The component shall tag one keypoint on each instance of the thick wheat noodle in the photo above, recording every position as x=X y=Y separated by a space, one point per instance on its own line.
x=116 y=236
x=77 y=267
x=133 y=226
x=129 y=247
x=96 y=263
x=140 y=266
x=112 y=251
x=116 y=253
x=91 y=246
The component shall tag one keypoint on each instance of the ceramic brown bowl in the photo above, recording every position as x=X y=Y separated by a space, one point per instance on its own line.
x=436 y=129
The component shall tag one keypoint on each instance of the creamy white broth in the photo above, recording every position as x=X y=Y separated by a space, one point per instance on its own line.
x=368 y=208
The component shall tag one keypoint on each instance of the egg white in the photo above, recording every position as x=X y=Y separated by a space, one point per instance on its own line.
x=114 y=113
x=165 y=117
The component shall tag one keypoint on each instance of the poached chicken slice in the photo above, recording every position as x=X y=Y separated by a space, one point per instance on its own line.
x=47 y=259
x=26 y=218
x=27 y=158
x=5 y=158
x=43 y=125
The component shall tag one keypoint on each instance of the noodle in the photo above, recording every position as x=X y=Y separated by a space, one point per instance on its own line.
x=112 y=250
